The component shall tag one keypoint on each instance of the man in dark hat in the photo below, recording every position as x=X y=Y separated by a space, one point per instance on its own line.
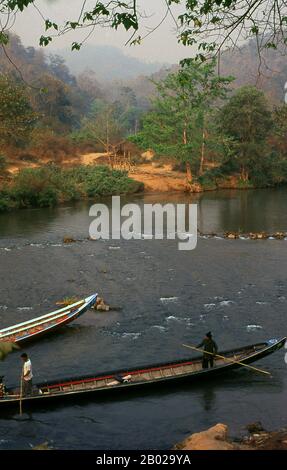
x=210 y=346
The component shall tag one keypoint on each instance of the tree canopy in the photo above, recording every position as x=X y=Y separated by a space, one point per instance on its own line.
x=16 y=115
x=211 y=25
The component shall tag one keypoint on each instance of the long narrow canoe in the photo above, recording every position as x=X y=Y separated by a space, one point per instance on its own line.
x=31 y=329
x=129 y=379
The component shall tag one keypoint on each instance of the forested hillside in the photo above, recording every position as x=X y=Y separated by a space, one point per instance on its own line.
x=267 y=71
x=218 y=129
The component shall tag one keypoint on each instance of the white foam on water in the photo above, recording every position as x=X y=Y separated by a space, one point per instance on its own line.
x=3 y=441
x=226 y=303
x=159 y=327
x=209 y=306
x=131 y=335
x=282 y=298
x=24 y=308
x=253 y=327
x=114 y=247
x=225 y=317
x=3 y=307
x=173 y=318
x=168 y=299
x=261 y=303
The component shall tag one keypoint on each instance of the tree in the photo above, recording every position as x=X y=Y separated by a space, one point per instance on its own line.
x=178 y=123
x=60 y=70
x=17 y=118
x=247 y=120
x=280 y=128
x=102 y=126
x=211 y=25
x=53 y=103
x=128 y=111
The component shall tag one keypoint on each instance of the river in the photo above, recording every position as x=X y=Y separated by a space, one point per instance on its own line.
x=235 y=288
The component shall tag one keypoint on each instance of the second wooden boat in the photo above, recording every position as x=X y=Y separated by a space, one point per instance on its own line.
x=32 y=329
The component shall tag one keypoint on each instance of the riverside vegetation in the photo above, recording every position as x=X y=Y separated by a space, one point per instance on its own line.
x=47 y=186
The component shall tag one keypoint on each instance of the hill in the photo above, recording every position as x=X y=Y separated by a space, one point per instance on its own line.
x=107 y=62
x=269 y=72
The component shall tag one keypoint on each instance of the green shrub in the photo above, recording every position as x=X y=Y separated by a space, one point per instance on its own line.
x=46 y=186
x=6 y=202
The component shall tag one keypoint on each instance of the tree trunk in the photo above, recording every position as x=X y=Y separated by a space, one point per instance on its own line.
x=202 y=157
x=188 y=172
x=187 y=164
x=244 y=174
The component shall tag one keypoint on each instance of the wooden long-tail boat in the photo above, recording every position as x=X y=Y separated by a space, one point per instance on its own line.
x=139 y=377
x=36 y=327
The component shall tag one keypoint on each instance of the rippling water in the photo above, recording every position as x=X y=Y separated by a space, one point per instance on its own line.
x=235 y=288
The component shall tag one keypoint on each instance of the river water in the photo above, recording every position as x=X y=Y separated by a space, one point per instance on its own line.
x=235 y=288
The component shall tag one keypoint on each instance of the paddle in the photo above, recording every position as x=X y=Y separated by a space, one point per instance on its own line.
x=227 y=359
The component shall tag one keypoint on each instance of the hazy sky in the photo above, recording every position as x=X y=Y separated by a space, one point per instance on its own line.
x=160 y=46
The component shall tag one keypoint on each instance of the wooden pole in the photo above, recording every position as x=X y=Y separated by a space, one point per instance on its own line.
x=21 y=394
x=227 y=359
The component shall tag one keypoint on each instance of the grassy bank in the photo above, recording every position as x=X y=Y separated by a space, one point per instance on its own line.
x=50 y=185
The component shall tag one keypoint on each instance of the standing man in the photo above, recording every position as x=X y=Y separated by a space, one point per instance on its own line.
x=27 y=375
x=210 y=346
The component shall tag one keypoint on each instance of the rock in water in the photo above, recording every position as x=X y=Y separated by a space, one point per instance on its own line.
x=68 y=240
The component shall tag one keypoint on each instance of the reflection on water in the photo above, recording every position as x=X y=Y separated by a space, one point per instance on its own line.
x=218 y=211
x=208 y=397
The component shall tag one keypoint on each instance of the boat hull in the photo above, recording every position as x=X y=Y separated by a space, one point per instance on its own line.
x=109 y=391
x=40 y=326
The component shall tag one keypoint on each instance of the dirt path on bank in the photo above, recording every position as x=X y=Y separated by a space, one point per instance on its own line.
x=155 y=179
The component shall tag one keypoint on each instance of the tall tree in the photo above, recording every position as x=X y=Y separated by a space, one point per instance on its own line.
x=102 y=126
x=177 y=125
x=16 y=115
x=246 y=119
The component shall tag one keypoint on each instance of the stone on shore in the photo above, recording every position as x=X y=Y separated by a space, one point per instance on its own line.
x=215 y=438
